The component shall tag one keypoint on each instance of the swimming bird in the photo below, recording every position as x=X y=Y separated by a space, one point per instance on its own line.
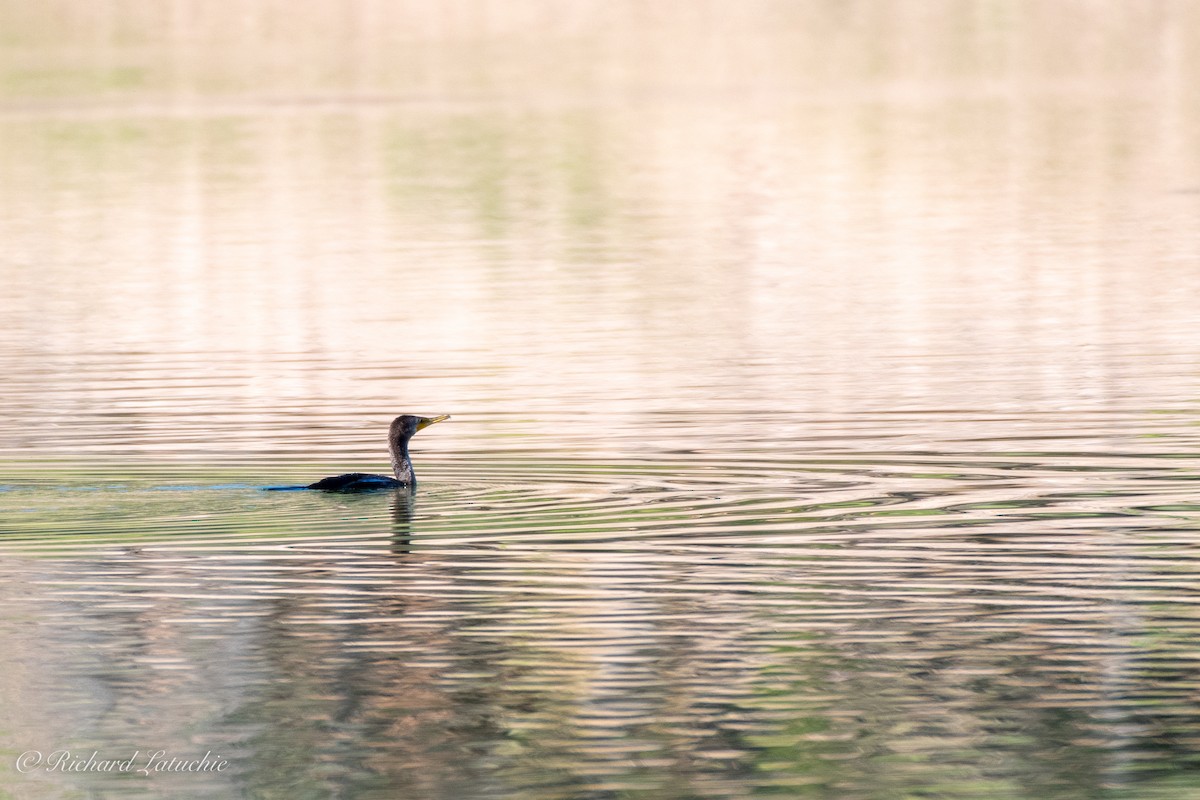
x=403 y=428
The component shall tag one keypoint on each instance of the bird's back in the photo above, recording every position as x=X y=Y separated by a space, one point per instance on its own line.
x=355 y=482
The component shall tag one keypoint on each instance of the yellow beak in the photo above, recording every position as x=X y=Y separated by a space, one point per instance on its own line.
x=427 y=421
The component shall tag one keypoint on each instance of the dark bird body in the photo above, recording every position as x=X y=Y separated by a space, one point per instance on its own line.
x=357 y=482
x=402 y=429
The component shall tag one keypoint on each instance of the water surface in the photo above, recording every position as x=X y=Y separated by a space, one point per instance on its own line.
x=823 y=381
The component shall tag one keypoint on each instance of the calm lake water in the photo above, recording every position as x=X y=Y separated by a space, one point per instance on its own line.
x=824 y=381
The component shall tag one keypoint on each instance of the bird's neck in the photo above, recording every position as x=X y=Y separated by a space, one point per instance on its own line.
x=402 y=464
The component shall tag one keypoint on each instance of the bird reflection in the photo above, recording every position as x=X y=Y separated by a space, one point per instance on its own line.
x=404 y=500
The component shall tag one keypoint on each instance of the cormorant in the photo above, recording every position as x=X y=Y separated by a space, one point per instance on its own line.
x=403 y=428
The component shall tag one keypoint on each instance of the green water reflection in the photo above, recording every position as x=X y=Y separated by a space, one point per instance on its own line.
x=544 y=637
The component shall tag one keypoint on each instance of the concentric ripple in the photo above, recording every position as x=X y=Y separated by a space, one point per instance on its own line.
x=757 y=501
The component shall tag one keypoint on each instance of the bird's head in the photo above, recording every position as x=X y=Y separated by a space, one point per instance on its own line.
x=405 y=426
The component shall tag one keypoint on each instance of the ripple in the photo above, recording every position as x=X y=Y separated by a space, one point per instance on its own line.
x=738 y=610
x=579 y=502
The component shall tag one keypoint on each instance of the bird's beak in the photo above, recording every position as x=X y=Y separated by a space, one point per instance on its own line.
x=427 y=421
